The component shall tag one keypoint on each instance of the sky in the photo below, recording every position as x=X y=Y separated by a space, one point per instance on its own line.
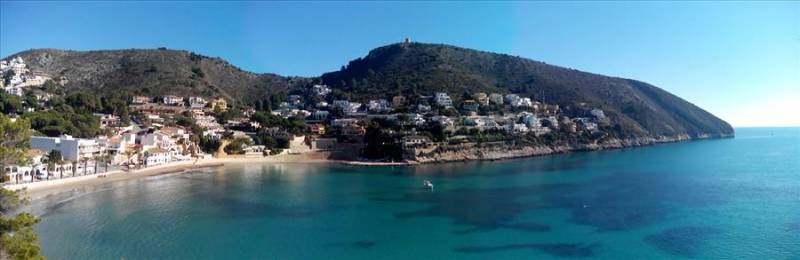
x=738 y=60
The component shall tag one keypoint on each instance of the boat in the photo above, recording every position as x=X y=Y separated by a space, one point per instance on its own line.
x=427 y=184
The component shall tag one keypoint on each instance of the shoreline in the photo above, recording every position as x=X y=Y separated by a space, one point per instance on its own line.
x=36 y=190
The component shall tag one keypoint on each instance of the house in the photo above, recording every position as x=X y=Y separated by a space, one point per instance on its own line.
x=529 y=120
x=597 y=113
x=320 y=115
x=416 y=119
x=586 y=124
x=522 y=102
x=27 y=173
x=398 y=101
x=173 y=100
x=476 y=121
x=107 y=120
x=470 y=105
x=317 y=129
x=411 y=141
x=295 y=101
x=380 y=106
x=423 y=108
x=512 y=98
x=516 y=128
x=340 y=122
x=219 y=103
x=481 y=98
x=139 y=100
x=442 y=99
x=156 y=156
x=496 y=99
x=443 y=121
x=197 y=102
x=248 y=111
x=320 y=90
x=353 y=130
x=72 y=149
x=347 y=106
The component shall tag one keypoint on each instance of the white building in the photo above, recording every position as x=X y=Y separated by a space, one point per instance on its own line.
x=416 y=119
x=107 y=120
x=320 y=90
x=597 y=113
x=173 y=100
x=27 y=173
x=156 y=156
x=496 y=99
x=522 y=102
x=442 y=99
x=529 y=120
x=347 y=106
x=344 y=122
x=72 y=149
x=320 y=115
x=423 y=108
x=197 y=102
x=512 y=98
x=516 y=128
x=380 y=105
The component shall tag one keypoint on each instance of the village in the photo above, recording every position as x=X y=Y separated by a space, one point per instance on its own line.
x=160 y=130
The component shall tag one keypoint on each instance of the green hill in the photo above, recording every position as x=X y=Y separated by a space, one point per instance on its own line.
x=415 y=68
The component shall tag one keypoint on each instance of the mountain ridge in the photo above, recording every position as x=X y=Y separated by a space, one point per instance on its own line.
x=412 y=69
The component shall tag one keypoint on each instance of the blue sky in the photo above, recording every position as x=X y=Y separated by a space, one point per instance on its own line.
x=738 y=60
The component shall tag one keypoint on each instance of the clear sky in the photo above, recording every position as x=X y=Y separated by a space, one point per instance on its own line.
x=738 y=60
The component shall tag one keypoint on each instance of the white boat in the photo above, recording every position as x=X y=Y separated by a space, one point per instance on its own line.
x=427 y=184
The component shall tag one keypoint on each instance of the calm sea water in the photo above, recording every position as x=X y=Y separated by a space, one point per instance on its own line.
x=732 y=198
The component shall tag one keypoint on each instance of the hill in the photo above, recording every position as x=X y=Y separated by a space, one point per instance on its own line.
x=639 y=108
x=412 y=69
x=154 y=72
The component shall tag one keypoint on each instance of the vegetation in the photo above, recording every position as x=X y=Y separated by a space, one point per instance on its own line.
x=292 y=125
x=639 y=109
x=17 y=238
x=10 y=104
x=55 y=123
x=379 y=144
x=237 y=145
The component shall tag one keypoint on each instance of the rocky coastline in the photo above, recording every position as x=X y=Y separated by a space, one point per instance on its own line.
x=500 y=151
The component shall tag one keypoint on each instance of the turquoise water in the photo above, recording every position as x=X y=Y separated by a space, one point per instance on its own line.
x=731 y=198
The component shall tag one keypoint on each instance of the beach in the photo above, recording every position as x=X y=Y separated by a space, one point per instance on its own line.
x=40 y=189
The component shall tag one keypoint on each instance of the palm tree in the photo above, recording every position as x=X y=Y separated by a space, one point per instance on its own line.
x=74 y=168
x=54 y=158
x=106 y=161
x=85 y=161
x=96 y=158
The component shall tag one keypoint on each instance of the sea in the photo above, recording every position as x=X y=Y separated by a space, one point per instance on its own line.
x=736 y=198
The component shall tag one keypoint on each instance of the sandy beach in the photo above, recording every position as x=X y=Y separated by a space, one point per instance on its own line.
x=41 y=189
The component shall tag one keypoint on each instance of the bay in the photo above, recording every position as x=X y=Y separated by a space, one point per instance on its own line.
x=727 y=198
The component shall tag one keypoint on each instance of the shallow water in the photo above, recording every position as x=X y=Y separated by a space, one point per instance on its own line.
x=731 y=198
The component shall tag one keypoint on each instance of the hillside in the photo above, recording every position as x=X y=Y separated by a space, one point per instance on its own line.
x=154 y=72
x=636 y=108
x=639 y=108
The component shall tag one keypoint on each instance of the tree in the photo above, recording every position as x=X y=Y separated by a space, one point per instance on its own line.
x=237 y=145
x=54 y=158
x=15 y=136
x=85 y=161
x=17 y=238
x=10 y=104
